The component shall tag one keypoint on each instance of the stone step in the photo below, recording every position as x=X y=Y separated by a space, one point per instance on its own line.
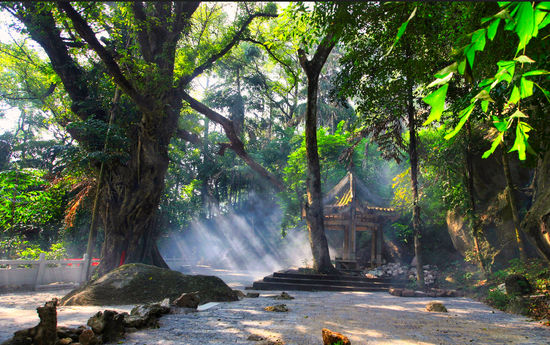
x=334 y=282
x=320 y=277
x=262 y=285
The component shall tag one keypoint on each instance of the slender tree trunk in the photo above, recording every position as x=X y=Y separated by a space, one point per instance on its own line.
x=473 y=217
x=314 y=205
x=512 y=201
x=414 y=185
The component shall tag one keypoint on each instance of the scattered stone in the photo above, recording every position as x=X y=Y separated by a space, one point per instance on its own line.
x=64 y=341
x=277 y=308
x=88 y=337
x=109 y=324
x=143 y=316
x=407 y=293
x=253 y=295
x=254 y=337
x=420 y=294
x=239 y=293
x=442 y=293
x=395 y=292
x=450 y=293
x=517 y=285
x=165 y=305
x=431 y=294
x=436 y=307
x=73 y=333
x=188 y=300
x=330 y=338
x=284 y=296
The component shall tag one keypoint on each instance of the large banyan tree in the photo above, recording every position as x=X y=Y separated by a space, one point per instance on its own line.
x=135 y=61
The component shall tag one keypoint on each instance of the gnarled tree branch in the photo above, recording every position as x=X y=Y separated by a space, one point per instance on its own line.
x=236 y=143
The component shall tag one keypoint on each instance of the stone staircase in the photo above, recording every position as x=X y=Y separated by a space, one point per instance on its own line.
x=293 y=280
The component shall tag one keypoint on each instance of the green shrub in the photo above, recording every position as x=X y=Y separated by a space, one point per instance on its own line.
x=498 y=299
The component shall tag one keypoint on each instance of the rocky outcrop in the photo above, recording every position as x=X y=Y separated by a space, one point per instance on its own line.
x=141 y=284
x=497 y=225
x=536 y=223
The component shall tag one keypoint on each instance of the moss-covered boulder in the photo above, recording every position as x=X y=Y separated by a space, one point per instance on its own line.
x=139 y=284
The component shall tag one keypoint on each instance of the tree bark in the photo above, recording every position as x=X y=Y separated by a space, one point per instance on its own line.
x=474 y=223
x=417 y=227
x=314 y=205
x=512 y=201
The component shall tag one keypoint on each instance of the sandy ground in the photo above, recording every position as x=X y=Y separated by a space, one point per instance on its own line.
x=366 y=318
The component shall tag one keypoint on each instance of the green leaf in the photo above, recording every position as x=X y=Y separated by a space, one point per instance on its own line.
x=441 y=80
x=449 y=69
x=501 y=125
x=484 y=106
x=514 y=97
x=546 y=93
x=517 y=115
x=521 y=144
x=470 y=54
x=525 y=24
x=464 y=115
x=496 y=142
x=461 y=66
x=544 y=6
x=545 y=22
x=492 y=29
x=401 y=31
x=484 y=96
x=478 y=39
x=503 y=15
x=486 y=82
x=536 y=72
x=437 y=101
x=526 y=88
x=524 y=59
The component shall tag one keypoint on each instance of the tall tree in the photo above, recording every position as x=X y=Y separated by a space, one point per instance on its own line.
x=385 y=81
x=142 y=54
x=329 y=19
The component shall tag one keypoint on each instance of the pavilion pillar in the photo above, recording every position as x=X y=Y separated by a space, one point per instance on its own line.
x=379 y=240
x=353 y=211
x=346 y=243
x=373 y=248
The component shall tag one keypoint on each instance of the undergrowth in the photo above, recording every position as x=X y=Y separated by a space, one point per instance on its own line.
x=469 y=278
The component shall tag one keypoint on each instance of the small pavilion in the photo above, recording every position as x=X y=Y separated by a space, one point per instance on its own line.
x=350 y=206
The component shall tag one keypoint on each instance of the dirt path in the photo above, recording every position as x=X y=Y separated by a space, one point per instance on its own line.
x=366 y=318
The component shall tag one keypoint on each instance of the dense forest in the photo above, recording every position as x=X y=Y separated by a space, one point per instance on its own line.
x=204 y=129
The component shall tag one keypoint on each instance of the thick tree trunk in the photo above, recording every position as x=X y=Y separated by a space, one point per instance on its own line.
x=314 y=206
x=131 y=199
x=512 y=201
